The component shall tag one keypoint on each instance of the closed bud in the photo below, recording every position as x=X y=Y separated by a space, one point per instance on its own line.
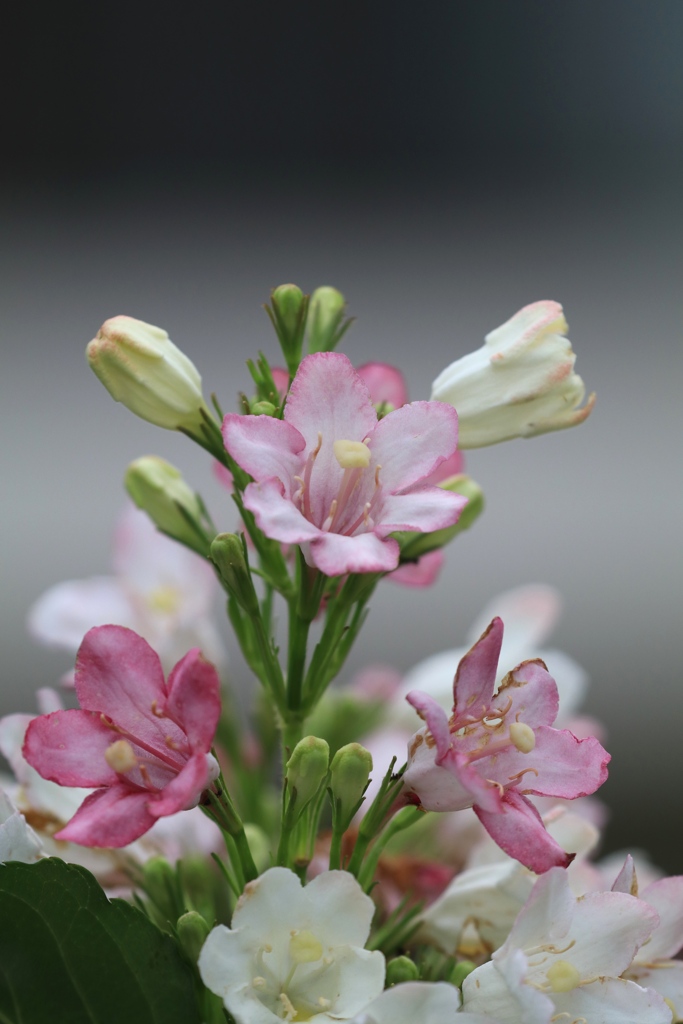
x=520 y=383
x=263 y=409
x=141 y=367
x=401 y=969
x=158 y=489
x=325 y=318
x=227 y=554
x=349 y=776
x=462 y=969
x=287 y=311
x=414 y=545
x=192 y=932
x=159 y=881
x=306 y=771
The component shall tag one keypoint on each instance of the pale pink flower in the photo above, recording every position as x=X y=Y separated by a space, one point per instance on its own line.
x=141 y=742
x=335 y=480
x=563 y=959
x=497 y=747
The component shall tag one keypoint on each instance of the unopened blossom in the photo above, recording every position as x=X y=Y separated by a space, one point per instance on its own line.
x=332 y=478
x=141 y=742
x=563 y=959
x=158 y=588
x=497 y=748
x=520 y=383
x=295 y=953
x=141 y=367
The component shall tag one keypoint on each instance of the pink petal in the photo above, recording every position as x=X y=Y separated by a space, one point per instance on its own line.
x=527 y=694
x=475 y=677
x=436 y=787
x=276 y=514
x=68 y=747
x=666 y=896
x=422 y=573
x=223 y=475
x=336 y=555
x=110 y=817
x=385 y=383
x=567 y=768
x=520 y=832
x=264 y=447
x=328 y=396
x=452 y=466
x=280 y=380
x=119 y=675
x=194 y=701
x=436 y=720
x=424 y=510
x=412 y=442
x=183 y=791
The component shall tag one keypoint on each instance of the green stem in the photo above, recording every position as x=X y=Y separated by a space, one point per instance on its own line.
x=404 y=819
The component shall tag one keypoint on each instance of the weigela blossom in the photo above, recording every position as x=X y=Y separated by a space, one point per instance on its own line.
x=295 y=953
x=499 y=746
x=158 y=588
x=335 y=480
x=563 y=959
x=141 y=742
x=520 y=383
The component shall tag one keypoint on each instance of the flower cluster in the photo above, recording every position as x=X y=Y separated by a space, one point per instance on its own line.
x=399 y=849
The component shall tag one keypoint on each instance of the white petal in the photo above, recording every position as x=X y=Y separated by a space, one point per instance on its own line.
x=613 y=1001
x=427 y=1002
x=18 y=841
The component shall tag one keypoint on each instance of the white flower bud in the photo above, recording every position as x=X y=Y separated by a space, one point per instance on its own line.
x=141 y=367
x=520 y=383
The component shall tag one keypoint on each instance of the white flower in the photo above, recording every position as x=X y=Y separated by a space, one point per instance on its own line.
x=563 y=958
x=18 y=841
x=141 y=367
x=520 y=383
x=295 y=953
x=159 y=589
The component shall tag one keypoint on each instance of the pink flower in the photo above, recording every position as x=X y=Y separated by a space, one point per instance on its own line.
x=141 y=741
x=497 y=747
x=333 y=479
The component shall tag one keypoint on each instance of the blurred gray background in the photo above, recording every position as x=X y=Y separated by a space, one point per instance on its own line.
x=442 y=167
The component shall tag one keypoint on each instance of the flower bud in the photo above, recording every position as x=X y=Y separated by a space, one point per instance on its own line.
x=414 y=545
x=158 y=489
x=520 y=383
x=263 y=409
x=325 y=317
x=192 y=931
x=227 y=553
x=159 y=881
x=349 y=776
x=287 y=312
x=401 y=969
x=306 y=771
x=140 y=366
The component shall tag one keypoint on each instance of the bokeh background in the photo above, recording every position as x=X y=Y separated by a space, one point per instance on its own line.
x=442 y=165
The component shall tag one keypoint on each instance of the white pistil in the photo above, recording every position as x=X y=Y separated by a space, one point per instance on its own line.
x=522 y=736
x=120 y=756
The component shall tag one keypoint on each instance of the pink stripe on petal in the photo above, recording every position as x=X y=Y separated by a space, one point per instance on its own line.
x=110 y=817
x=336 y=555
x=475 y=677
x=119 y=675
x=184 y=790
x=265 y=447
x=520 y=832
x=412 y=442
x=194 y=699
x=68 y=747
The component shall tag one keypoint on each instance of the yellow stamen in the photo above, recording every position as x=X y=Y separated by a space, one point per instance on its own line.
x=120 y=756
x=352 y=454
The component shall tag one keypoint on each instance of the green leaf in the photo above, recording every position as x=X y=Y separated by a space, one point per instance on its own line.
x=70 y=955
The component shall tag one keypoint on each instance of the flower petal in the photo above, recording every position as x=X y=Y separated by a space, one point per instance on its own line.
x=612 y=1001
x=336 y=555
x=426 y=509
x=475 y=677
x=68 y=747
x=422 y=573
x=565 y=767
x=64 y=613
x=276 y=515
x=110 y=817
x=343 y=910
x=520 y=832
x=327 y=396
x=412 y=442
x=184 y=790
x=193 y=700
x=385 y=383
x=264 y=447
x=666 y=896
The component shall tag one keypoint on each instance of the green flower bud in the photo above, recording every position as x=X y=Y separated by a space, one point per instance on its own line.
x=158 y=489
x=349 y=776
x=306 y=771
x=159 y=881
x=192 y=932
x=287 y=312
x=401 y=969
x=227 y=553
x=460 y=972
x=141 y=367
x=413 y=545
x=263 y=409
x=325 y=317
